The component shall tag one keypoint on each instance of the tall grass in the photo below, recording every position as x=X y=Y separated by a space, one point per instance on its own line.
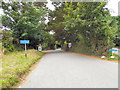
x=15 y=65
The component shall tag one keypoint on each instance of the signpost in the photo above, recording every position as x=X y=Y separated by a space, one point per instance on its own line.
x=112 y=50
x=69 y=45
x=40 y=48
x=25 y=42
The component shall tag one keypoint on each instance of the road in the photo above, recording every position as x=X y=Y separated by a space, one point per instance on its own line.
x=60 y=69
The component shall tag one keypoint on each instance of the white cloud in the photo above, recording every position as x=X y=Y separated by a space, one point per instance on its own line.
x=112 y=5
x=50 y=6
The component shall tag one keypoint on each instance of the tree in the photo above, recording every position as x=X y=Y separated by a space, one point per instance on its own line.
x=117 y=38
x=56 y=22
x=93 y=22
x=7 y=41
x=26 y=21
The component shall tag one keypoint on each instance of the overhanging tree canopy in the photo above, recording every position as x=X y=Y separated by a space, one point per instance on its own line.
x=26 y=20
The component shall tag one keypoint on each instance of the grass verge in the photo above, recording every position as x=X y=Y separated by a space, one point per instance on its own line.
x=87 y=52
x=116 y=57
x=15 y=65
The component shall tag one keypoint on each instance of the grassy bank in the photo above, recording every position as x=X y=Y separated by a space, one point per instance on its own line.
x=15 y=65
x=86 y=51
x=116 y=57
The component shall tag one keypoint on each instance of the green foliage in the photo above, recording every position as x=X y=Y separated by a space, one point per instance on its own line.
x=117 y=38
x=48 y=41
x=116 y=57
x=86 y=24
x=97 y=28
x=26 y=21
x=7 y=41
x=56 y=22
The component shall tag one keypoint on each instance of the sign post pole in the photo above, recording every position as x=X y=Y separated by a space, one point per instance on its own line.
x=112 y=53
x=112 y=50
x=25 y=50
x=25 y=42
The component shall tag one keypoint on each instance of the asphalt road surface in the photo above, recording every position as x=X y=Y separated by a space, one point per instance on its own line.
x=60 y=69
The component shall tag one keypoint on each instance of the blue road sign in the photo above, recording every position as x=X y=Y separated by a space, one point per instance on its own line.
x=24 y=41
x=69 y=44
x=39 y=49
x=112 y=50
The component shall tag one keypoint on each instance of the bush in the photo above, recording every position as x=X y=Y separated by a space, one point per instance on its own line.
x=45 y=46
x=7 y=41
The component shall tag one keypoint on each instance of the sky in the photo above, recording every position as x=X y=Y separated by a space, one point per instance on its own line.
x=113 y=7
